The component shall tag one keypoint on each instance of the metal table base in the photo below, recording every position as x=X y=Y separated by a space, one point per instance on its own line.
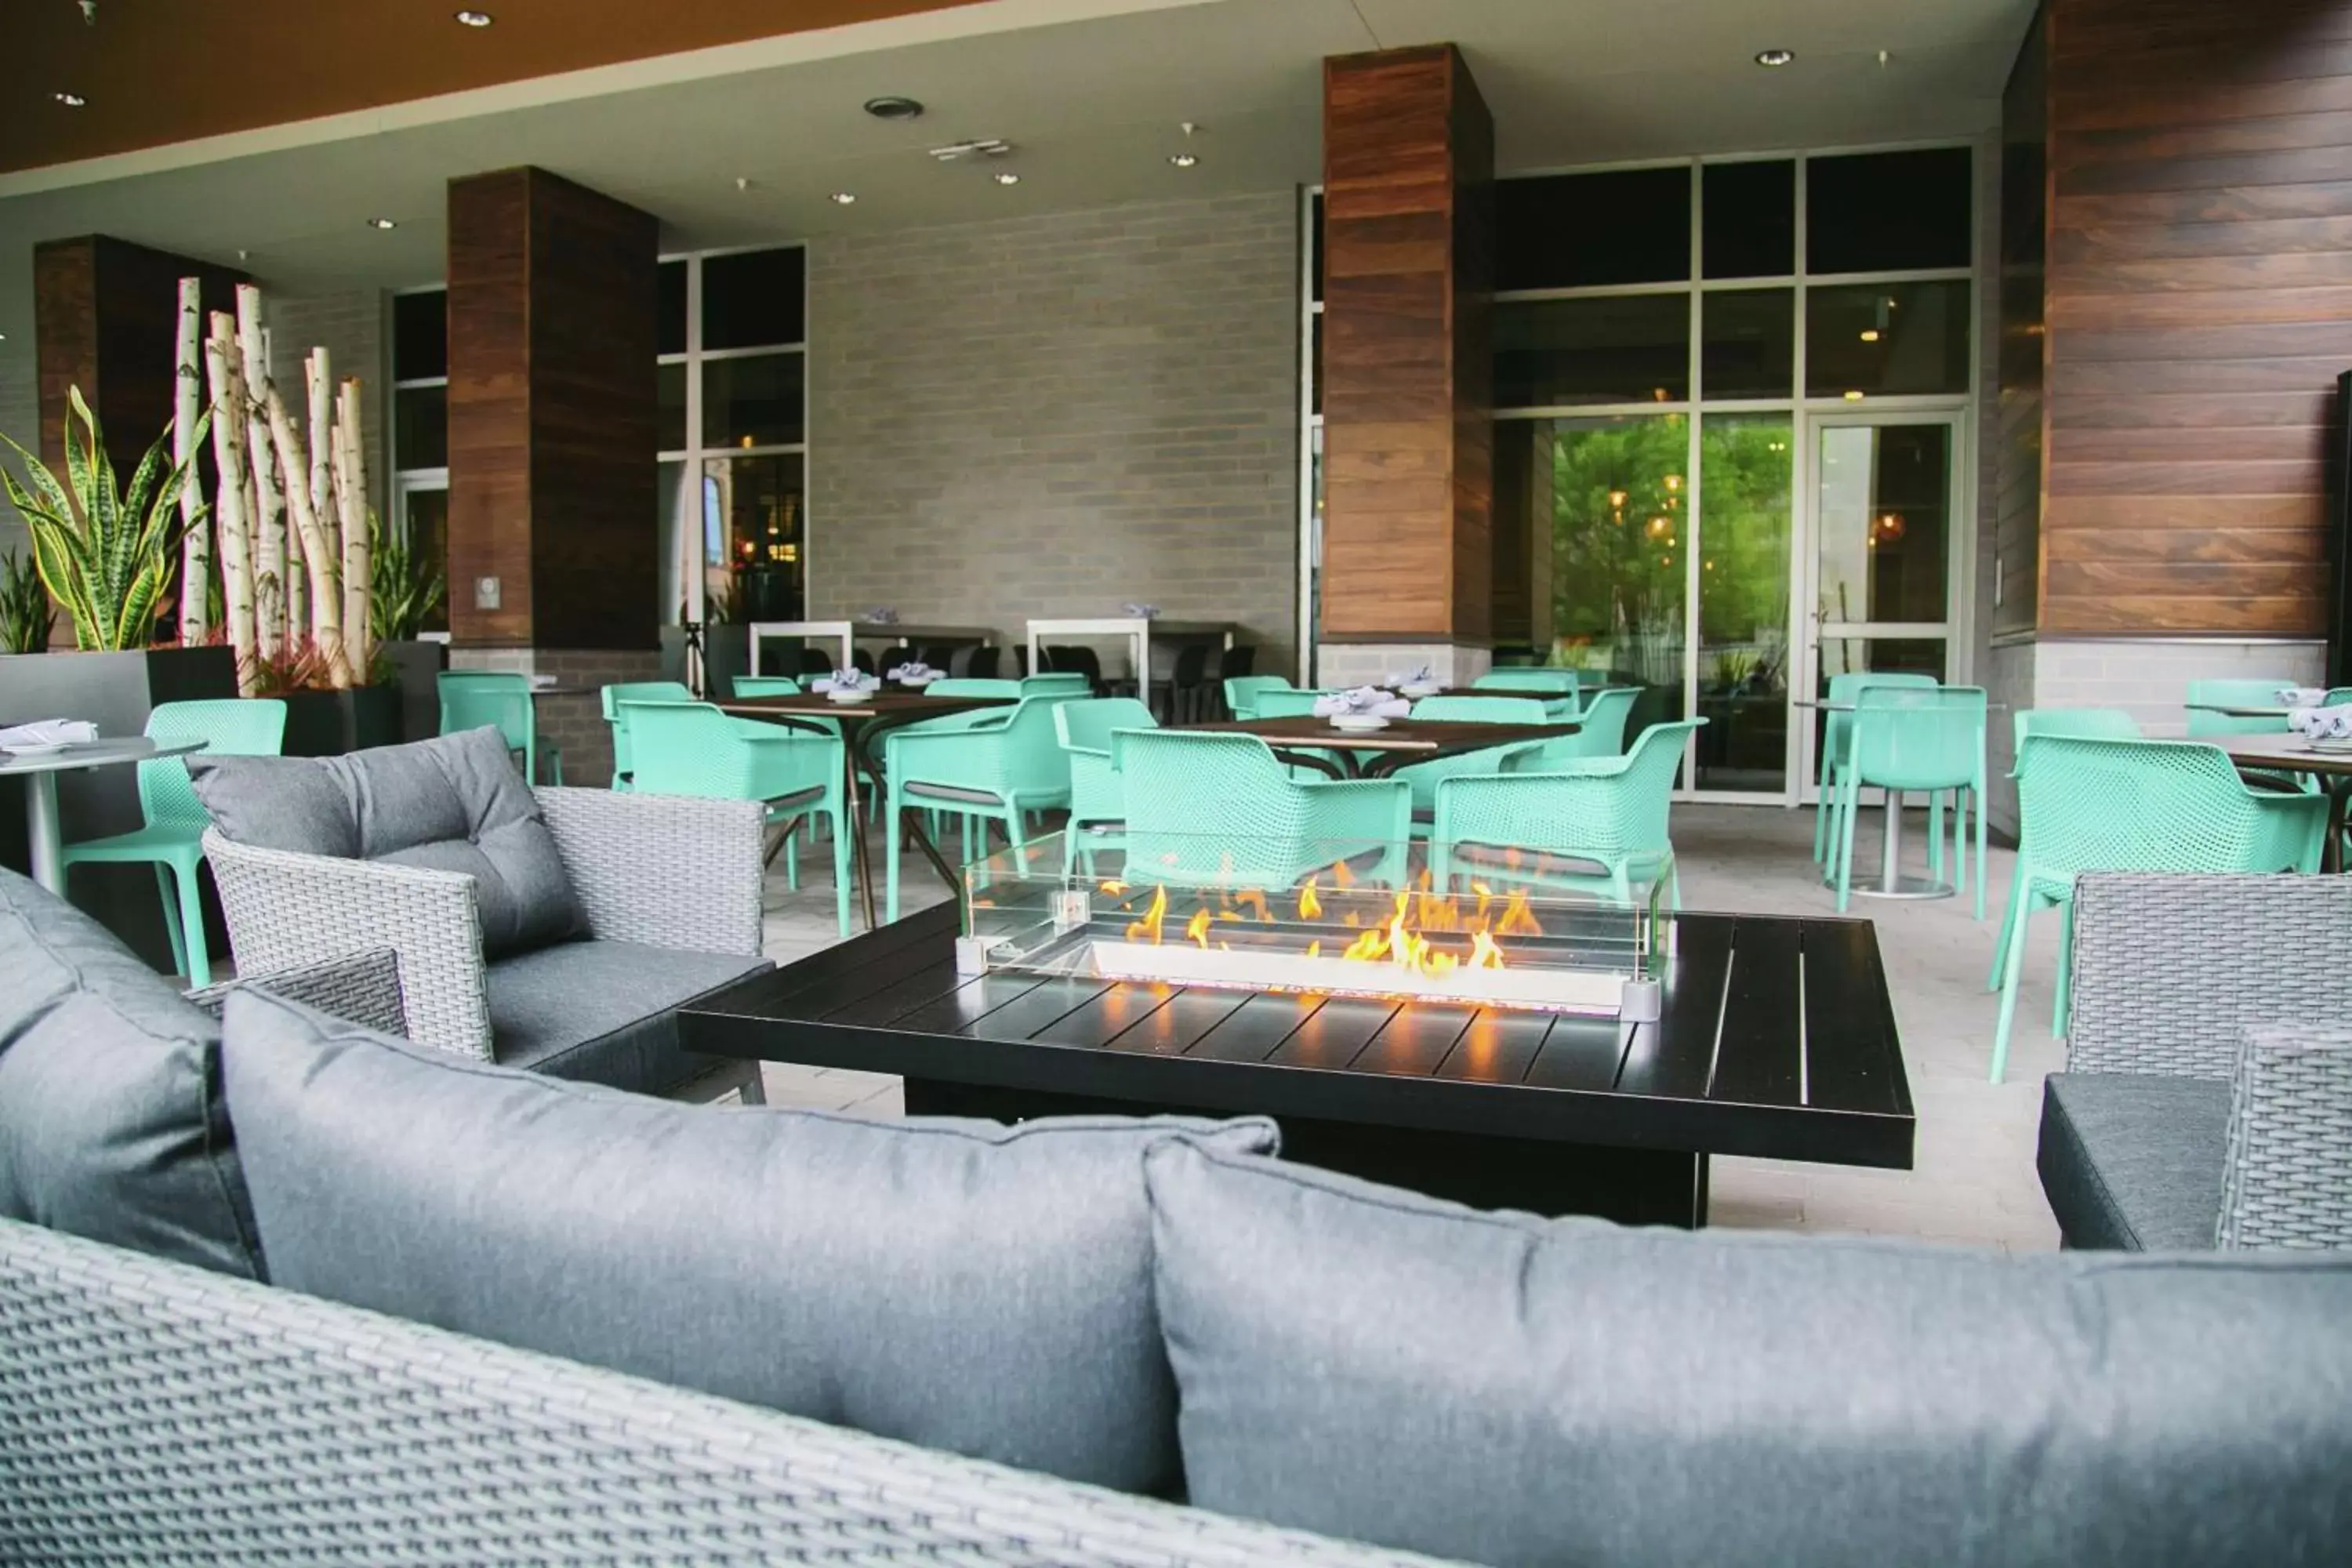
x=1893 y=882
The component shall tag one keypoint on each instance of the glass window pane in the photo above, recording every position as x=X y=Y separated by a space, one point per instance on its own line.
x=1888 y=338
x=669 y=323
x=1611 y=493
x=1748 y=343
x=426 y=516
x=752 y=299
x=1885 y=212
x=420 y=428
x=1315 y=359
x=754 y=402
x=1745 y=462
x=1748 y=219
x=1571 y=231
x=1615 y=349
x=1315 y=239
x=755 y=504
x=420 y=335
x=670 y=407
x=1885 y=521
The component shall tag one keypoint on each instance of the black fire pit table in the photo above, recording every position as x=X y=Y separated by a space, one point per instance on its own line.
x=1774 y=1037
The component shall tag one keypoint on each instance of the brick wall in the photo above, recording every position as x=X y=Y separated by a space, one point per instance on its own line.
x=349 y=325
x=1050 y=415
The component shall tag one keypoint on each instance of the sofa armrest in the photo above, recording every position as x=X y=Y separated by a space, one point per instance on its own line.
x=2288 y=1178
x=663 y=869
x=287 y=911
x=362 y=989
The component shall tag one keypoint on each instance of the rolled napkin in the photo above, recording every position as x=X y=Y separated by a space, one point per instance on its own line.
x=2318 y=723
x=1363 y=702
x=2301 y=696
x=880 y=616
x=843 y=680
x=906 y=674
x=1425 y=675
x=1142 y=612
x=49 y=732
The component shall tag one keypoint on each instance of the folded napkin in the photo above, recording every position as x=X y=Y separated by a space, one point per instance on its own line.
x=49 y=732
x=2319 y=724
x=880 y=616
x=2301 y=696
x=1143 y=611
x=1425 y=675
x=1364 y=701
x=918 y=670
x=843 y=680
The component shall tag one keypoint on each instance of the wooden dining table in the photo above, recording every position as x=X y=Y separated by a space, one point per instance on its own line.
x=1311 y=742
x=2287 y=753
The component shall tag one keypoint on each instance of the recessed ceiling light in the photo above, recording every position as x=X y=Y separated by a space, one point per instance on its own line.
x=1775 y=56
x=1870 y=334
x=893 y=108
x=1183 y=159
x=1007 y=178
x=842 y=198
x=1854 y=397
x=474 y=18
x=381 y=223
x=70 y=100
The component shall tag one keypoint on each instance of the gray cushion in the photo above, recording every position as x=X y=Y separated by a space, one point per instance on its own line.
x=1365 y=1361
x=2134 y=1160
x=452 y=803
x=959 y=1284
x=606 y=1012
x=112 y=1125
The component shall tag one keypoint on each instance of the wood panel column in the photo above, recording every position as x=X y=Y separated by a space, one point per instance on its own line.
x=1408 y=414
x=552 y=530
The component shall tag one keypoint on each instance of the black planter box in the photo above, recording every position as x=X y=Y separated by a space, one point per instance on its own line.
x=330 y=723
x=417 y=669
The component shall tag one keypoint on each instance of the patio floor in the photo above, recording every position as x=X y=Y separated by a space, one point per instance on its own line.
x=1973 y=1180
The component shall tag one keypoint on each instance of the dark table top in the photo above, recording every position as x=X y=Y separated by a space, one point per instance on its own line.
x=1418 y=737
x=1776 y=1039
x=2285 y=750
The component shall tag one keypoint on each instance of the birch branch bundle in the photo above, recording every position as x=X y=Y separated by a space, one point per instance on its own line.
x=351 y=501
x=268 y=522
x=196 y=535
x=319 y=406
x=232 y=514
x=318 y=552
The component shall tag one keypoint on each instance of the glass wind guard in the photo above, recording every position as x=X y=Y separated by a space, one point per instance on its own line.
x=1509 y=929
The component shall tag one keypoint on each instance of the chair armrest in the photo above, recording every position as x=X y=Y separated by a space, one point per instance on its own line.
x=664 y=869
x=363 y=989
x=1379 y=809
x=287 y=911
x=2288 y=1178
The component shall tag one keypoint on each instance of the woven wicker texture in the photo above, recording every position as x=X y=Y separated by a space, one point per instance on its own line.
x=666 y=871
x=2170 y=971
x=152 y=1413
x=2289 y=1179
x=362 y=989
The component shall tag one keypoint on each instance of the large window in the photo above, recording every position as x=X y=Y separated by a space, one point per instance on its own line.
x=420 y=429
x=733 y=416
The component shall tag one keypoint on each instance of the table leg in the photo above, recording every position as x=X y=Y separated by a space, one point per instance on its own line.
x=2331 y=853
x=1890 y=862
x=1891 y=881
x=42 y=831
x=860 y=862
x=861 y=752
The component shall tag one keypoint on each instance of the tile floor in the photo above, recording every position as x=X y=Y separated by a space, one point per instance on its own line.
x=1973 y=1180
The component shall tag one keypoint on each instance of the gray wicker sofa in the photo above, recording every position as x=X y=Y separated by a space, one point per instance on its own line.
x=2206 y=1099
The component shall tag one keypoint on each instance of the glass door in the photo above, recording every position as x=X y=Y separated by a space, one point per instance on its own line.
x=1884 y=524
x=421 y=503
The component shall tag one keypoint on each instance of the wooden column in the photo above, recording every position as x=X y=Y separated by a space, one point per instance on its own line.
x=106 y=319
x=551 y=416
x=1408 y=417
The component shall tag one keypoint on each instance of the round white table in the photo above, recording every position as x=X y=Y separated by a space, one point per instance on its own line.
x=39 y=771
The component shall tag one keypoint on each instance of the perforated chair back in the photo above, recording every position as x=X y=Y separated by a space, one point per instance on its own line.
x=2235 y=693
x=1286 y=703
x=972 y=686
x=228 y=727
x=1602 y=734
x=1083 y=730
x=1908 y=738
x=748 y=686
x=693 y=749
x=1206 y=806
x=2088 y=804
x=613 y=697
x=2093 y=723
x=1603 y=811
x=1243 y=692
x=471 y=699
x=1558 y=682
x=1067 y=683
x=1483 y=710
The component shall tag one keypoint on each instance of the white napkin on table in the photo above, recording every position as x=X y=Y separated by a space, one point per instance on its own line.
x=2323 y=723
x=1364 y=701
x=2301 y=696
x=918 y=670
x=1425 y=675
x=843 y=680
x=49 y=732
x=1142 y=612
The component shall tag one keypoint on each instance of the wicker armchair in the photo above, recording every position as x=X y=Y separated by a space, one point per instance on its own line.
x=362 y=989
x=660 y=871
x=2207 y=1099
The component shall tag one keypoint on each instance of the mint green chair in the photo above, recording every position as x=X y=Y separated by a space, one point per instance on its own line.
x=471 y=699
x=613 y=696
x=1083 y=730
x=172 y=837
x=1241 y=692
x=972 y=686
x=1424 y=777
x=1210 y=808
x=1907 y=738
x=1837 y=739
x=994 y=766
x=1607 y=814
x=2083 y=723
x=1541 y=679
x=1055 y=683
x=1288 y=702
x=693 y=749
x=1602 y=734
x=2097 y=804
x=2235 y=694
x=749 y=685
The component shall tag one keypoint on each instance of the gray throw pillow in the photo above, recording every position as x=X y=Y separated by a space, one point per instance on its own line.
x=452 y=803
x=1368 y=1362
x=959 y=1284
x=111 y=1124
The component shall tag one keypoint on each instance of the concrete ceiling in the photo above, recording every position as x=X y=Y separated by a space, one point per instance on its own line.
x=1091 y=92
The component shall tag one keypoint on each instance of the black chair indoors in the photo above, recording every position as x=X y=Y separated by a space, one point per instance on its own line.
x=940 y=656
x=1079 y=659
x=977 y=663
x=1187 y=684
x=815 y=661
x=1234 y=662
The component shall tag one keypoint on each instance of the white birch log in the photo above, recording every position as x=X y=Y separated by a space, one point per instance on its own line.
x=269 y=527
x=358 y=548
x=187 y=400
x=229 y=511
x=326 y=627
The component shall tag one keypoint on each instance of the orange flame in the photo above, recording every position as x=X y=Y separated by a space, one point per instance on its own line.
x=1309 y=906
x=1402 y=937
x=1340 y=876
x=1114 y=888
x=1484 y=953
x=1148 y=928
x=1251 y=898
x=1517 y=918
x=1196 y=930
